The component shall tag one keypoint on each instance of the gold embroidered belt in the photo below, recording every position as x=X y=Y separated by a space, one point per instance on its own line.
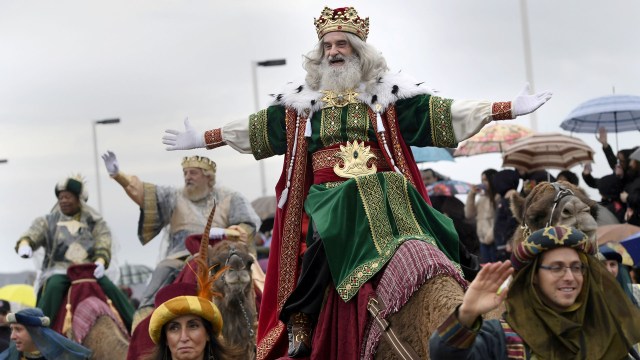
x=343 y=161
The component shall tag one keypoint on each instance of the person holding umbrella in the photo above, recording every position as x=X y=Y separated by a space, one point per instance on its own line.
x=631 y=193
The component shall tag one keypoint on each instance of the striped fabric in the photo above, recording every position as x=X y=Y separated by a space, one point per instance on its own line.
x=413 y=264
x=184 y=305
x=515 y=345
x=547 y=151
x=455 y=334
x=87 y=313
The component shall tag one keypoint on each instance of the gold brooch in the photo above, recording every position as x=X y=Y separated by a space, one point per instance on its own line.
x=355 y=157
x=332 y=99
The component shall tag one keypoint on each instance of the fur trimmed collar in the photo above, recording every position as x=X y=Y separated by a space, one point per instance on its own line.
x=388 y=89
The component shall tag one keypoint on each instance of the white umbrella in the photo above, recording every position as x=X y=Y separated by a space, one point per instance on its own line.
x=616 y=113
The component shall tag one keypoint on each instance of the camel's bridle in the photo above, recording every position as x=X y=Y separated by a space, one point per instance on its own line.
x=561 y=193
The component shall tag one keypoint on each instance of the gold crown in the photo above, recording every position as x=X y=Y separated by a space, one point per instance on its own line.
x=200 y=162
x=341 y=19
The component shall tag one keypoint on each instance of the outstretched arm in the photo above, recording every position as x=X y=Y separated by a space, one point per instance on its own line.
x=131 y=184
x=469 y=116
x=190 y=138
x=234 y=134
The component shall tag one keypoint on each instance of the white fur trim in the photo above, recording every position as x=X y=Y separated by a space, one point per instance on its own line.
x=299 y=96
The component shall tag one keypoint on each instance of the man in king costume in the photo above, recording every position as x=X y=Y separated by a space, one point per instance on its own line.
x=184 y=212
x=72 y=233
x=349 y=185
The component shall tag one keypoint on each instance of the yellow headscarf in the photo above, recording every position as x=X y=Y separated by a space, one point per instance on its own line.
x=184 y=305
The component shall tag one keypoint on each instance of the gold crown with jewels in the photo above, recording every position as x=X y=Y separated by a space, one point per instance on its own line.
x=341 y=19
x=200 y=162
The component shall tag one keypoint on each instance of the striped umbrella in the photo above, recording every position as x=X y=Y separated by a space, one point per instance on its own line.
x=547 y=151
x=492 y=139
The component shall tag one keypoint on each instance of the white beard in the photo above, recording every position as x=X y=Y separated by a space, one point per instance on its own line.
x=196 y=193
x=345 y=77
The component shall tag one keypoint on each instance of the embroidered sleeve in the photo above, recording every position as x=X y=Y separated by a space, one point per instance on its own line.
x=454 y=334
x=501 y=111
x=267 y=132
x=426 y=120
x=213 y=139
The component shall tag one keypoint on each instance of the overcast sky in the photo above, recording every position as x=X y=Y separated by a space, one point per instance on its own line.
x=151 y=63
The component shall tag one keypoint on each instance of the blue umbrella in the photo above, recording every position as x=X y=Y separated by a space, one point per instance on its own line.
x=632 y=245
x=616 y=113
x=431 y=154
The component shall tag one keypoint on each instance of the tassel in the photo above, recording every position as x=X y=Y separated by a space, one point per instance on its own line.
x=66 y=326
x=285 y=192
x=307 y=127
x=381 y=129
x=283 y=198
x=379 y=122
x=115 y=311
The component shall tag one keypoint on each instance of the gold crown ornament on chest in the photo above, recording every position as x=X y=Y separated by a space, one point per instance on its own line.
x=355 y=157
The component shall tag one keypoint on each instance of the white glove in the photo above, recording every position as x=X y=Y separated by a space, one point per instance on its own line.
x=524 y=103
x=25 y=251
x=111 y=163
x=99 y=271
x=190 y=138
x=217 y=233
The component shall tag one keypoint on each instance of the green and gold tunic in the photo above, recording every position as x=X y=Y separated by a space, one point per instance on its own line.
x=363 y=202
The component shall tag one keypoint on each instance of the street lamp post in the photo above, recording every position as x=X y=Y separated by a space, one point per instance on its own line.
x=254 y=72
x=95 y=155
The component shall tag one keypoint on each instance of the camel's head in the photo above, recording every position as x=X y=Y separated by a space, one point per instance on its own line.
x=559 y=203
x=236 y=281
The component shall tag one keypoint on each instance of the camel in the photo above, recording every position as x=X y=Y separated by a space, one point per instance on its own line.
x=559 y=203
x=436 y=299
x=236 y=296
x=94 y=322
x=106 y=339
x=238 y=303
x=431 y=293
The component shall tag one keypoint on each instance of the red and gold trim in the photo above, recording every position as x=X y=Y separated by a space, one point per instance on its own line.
x=393 y=132
x=501 y=110
x=267 y=343
x=213 y=138
x=328 y=158
x=293 y=220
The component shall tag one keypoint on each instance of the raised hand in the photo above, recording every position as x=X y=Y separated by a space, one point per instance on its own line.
x=111 y=162
x=238 y=233
x=190 y=138
x=99 y=271
x=602 y=136
x=25 y=251
x=526 y=103
x=482 y=295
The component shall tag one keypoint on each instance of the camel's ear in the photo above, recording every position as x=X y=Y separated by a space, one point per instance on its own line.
x=517 y=207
